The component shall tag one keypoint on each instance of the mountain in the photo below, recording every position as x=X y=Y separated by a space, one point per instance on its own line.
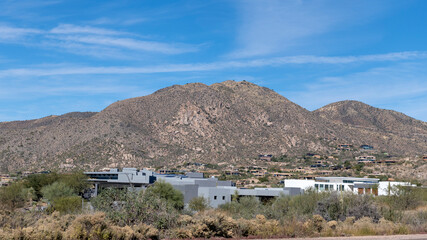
x=224 y=122
x=389 y=130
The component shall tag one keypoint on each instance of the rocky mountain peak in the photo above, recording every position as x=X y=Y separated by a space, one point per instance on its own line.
x=228 y=121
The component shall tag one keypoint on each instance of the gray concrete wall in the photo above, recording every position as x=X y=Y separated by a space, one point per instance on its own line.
x=216 y=196
x=189 y=191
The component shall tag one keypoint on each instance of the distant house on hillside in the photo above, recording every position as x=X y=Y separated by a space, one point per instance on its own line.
x=344 y=146
x=265 y=157
x=366 y=159
x=366 y=147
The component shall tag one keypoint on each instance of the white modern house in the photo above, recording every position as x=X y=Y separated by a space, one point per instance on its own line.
x=219 y=192
x=355 y=185
x=191 y=185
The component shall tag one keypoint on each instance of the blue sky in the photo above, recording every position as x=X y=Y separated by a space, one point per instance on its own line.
x=63 y=56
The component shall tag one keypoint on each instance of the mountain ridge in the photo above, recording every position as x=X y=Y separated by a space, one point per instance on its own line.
x=228 y=121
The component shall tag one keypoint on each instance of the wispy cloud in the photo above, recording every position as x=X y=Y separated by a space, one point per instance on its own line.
x=129 y=43
x=271 y=27
x=381 y=86
x=91 y=41
x=194 y=67
x=24 y=9
x=73 y=29
x=13 y=33
x=117 y=21
x=67 y=88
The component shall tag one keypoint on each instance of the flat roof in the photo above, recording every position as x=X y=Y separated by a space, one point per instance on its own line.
x=347 y=178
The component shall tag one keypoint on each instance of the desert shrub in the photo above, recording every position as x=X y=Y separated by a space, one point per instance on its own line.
x=140 y=231
x=295 y=228
x=330 y=208
x=89 y=227
x=281 y=207
x=143 y=231
x=48 y=227
x=208 y=224
x=332 y=224
x=305 y=205
x=366 y=226
x=5 y=235
x=45 y=227
x=15 y=196
x=131 y=208
x=339 y=207
x=390 y=213
x=214 y=223
x=56 y=190
x=416 y=219
x=245 y=207
x=198 y=204
x=360 y=206
x=76 y=181
x=71 y=204
x=38 y=181
x=300 y=207
x=404 y=198
x=19 y=219
x=166 y=192
x=260 y=226
x=316 y=224
x=95 y=226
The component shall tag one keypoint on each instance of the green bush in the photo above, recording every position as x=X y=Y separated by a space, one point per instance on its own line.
x=76 y=181
x=208 y=224
x=245 y=207
x=130 y=208
x=305 y=205
x=166 y=192
x=198 y=204
x=15 y=196
x=71 y=204
x=89 y=227
x=38 y=181
x=404 y=198
x=57 y=190
x=339 y=207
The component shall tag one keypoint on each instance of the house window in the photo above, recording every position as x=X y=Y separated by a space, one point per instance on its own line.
x=316 y=186
x=332 y=187
x=326 y=187
x=223 y=197
x=214 y=197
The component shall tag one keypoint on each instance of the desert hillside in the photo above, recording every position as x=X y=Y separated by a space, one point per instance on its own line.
x=228 y=121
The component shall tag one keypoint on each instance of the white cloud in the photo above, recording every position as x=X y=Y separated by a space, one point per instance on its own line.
x=73 y=29
x=290 y=60
x=117 y=21
x=101 y=52
x=270 y=27
x=90 y=41
x=129 y=43
x=392 y=86
x=13 y=33
x=15 y=92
